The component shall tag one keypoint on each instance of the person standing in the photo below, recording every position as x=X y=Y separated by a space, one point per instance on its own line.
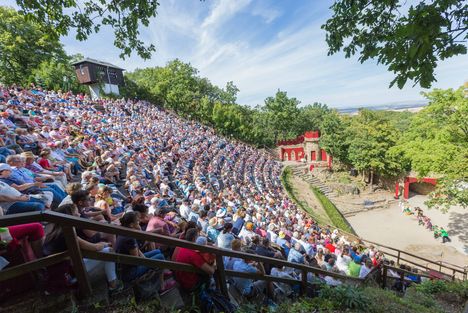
x=445 y=236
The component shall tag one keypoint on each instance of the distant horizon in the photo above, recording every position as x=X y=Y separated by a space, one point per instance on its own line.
x=386 y=106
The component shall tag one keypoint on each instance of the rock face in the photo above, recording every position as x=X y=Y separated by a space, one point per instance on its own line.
x=350 y=189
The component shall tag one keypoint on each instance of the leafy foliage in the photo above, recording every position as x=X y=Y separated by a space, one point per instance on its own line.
x=124 y=17
x=23 y=47
x=334 y=136
x=332 y=212
x=436 y=142
x=409 y=41
x=346 y=297
x=178 y=86
x=370 y=139
x=281 y=111
x=57 y=75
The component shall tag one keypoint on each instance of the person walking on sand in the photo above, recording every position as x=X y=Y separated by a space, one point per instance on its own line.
x=445 y=236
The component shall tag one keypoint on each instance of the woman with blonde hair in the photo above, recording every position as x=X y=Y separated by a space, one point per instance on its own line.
x=101 y=202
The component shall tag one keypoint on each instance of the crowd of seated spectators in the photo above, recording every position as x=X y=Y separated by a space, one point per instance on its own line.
x=136 y=165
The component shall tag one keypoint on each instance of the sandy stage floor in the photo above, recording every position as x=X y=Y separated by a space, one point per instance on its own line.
x=391 y=227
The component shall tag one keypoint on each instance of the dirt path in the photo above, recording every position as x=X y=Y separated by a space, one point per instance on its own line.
x=391 y=227
x=304 y=194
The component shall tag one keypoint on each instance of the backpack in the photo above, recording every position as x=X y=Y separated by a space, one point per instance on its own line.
x=213 y=301
x=147 y=286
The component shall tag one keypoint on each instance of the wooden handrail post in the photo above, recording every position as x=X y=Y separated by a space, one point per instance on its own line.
x=221 y=275
x=384 y=278
x=77 y=260
x=398 y=257
x=304 y=283
x=402 y=277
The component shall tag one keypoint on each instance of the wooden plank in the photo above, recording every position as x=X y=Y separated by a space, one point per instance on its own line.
x=22 y=218
x=27 y=267
x=400 y=270
x=135 y=260
x=384 y=278
x=221 y=275
x=304 y=283
x=257 y=276
x=77 y=260
x=67 y=220
x=410 y=254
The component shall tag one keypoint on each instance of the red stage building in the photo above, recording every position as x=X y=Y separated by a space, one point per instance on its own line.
x=305 y=148
x=410 y=180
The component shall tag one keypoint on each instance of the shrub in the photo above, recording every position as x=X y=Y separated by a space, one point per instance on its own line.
x=346 y=297
x=332 y=212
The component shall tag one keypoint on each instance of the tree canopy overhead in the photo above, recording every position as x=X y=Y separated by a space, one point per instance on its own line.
x=409 y=41
x=125 y=17
x=23 y=47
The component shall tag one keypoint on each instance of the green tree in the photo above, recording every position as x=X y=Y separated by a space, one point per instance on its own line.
x=310 y=117
x=56 y=74
x=334 y=132
x=177 y=83
x=23 y=47
x=410 y=42
x=370 y=141
x=436 y=143
x=281 y=111
x=124 y=17
x=230 y=93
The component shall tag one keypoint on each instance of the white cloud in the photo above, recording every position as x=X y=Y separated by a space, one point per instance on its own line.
x=292 y=57
x=267 y=13
x=222 y=10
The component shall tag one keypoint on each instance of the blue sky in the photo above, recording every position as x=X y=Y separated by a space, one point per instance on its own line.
x=261 y=46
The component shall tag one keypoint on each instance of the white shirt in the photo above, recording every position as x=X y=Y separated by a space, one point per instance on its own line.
x=364 y=271
x=6 y=190
x=342 y=263
x=184 y=211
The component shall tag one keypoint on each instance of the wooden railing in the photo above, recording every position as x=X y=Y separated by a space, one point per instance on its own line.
x=70 y=223
x=401 y=275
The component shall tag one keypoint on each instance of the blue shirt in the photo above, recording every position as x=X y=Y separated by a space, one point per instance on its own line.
x=295 y=256
x=243 y=284
x=224 y=240
x=212 y=233
x=22 y=175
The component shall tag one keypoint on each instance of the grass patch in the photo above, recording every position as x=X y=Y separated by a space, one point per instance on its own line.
x=286 y=181
x=335 y=216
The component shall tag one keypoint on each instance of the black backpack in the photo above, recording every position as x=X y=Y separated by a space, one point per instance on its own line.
x=213 y=301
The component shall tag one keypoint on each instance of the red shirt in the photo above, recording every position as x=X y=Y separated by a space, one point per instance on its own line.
x=330 y=247
x=44 y=163
x=186 y=279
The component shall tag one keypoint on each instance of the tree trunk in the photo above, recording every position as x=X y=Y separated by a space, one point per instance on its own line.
x=371 y=177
